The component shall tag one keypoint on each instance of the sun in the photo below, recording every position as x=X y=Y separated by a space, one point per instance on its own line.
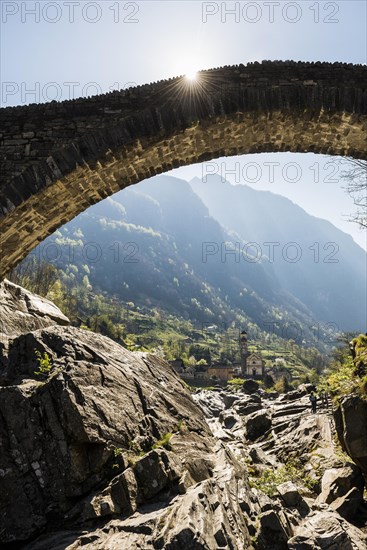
x=191 y=75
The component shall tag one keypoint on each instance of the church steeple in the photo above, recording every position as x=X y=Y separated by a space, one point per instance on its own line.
x=243 y=351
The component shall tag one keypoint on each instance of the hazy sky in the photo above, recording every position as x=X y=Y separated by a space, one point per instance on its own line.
x=64 y=49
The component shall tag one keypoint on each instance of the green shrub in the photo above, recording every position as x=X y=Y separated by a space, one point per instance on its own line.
x=282 y=385
x=180 y=427
x=164 y=442
x=236 y=381
x=44 y=363
x=341 y=379
x=117 y=453
x=360 y=343
x=134 y=447
x=269 y=479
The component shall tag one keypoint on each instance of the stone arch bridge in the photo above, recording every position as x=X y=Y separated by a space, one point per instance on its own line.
x=58 y=158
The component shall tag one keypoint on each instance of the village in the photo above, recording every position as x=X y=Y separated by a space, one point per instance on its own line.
x=251 y=366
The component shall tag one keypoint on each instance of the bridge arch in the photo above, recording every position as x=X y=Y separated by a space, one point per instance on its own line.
x=59 y=158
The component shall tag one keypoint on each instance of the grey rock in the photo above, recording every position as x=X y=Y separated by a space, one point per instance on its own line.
x=21 y=312
x=289 y=493
x=250 y=386
x=200 y=467
x=266 y=504
x=270 y=520
x=211 y=403
x=120 y=497
x=337 y=482
x=228 y=419
x=155 y=471
x=248 y=405
x=258 y=456
x=257 y=424
x=351 y=425
x=348 y=505
x=274 y=531
x=229 y=399
x=58 y=436
x=301 y=391
x=327 y=531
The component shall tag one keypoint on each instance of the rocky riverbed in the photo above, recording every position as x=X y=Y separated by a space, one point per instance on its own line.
x=108 y=449
x=305 y=492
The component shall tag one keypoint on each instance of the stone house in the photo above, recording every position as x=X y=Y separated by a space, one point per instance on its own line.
x=190 y=373
x=222 y=372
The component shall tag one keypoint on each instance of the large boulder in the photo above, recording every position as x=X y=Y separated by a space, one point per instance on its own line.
x=250 y=386
x=351 y=425
x=229 y=399
x=298 y=393
x=274 y=531
x=327 y=531
x=289 y=493
x=22 y=311
x=211 y=403
x=337 y=482
x=257 y=424
x=348 y=505
x=155 y=471
x=248 y=404
x=119 y=497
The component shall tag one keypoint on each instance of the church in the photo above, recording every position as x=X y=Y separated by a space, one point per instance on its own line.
x=252 y=364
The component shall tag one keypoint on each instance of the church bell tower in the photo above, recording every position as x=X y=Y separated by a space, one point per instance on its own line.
x=243 y=351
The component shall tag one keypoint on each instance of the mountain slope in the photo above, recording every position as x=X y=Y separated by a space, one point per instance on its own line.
x=329 y=274
x=157 y=244
x=159 y=229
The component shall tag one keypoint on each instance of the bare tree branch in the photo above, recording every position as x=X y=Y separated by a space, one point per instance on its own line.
x=355 y=176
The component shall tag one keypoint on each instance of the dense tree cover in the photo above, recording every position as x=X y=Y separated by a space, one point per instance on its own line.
x=141 y=329
x=347 y=371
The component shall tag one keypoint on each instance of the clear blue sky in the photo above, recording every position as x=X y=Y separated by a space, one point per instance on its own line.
x=69 y=49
